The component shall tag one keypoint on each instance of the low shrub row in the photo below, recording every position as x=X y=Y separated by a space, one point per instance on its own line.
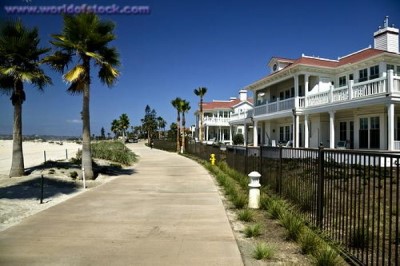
x=114 y=151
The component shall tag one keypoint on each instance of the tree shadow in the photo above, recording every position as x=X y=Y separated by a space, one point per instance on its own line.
x=31 y=189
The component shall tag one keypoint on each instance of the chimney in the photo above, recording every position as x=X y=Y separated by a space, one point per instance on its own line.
x=243 y=95
x=387 y=38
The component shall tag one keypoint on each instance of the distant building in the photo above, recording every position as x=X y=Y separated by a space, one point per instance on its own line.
x=218 y=113
x=311 y=101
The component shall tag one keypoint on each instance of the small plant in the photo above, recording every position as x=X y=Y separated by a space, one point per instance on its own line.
x=246 y=215
x=52 y=171
x=73 y=175
x=238 y=139
x=327 y=257
x=294 y=226
x=275 y=209
x=252 y=230
x=263 y=251
x=239 y=201
x=264 y=202
x=359 y=237
x=309 y=243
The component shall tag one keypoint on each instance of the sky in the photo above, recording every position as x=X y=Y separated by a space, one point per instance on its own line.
x=185 y=44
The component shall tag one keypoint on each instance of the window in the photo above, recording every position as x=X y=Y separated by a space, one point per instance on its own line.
x=369 y=134
x=281 y=95
x=292 y=92
x=363 y=133
x=342 y=131
x=287 y=94
x=363 y=75
x=240 y=131
x=398 y=70
x=342 y=81
x=374 y=72
x=389 y=67
x=351 y=77
x=374 y=133
x=281 y=134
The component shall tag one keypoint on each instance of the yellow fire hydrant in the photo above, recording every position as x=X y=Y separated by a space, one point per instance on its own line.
x=212 y=158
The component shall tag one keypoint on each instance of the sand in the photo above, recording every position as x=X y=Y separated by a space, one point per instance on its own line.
x=20 y=196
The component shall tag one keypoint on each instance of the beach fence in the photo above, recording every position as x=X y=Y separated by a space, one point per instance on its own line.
x=35 y=157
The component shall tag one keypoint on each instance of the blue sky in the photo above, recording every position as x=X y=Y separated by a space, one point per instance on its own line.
x=182 y=45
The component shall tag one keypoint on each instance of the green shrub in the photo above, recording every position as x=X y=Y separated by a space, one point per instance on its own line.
x=113 y=151
x=309 y=243
x=263 y=251
x=238 y=139
x=239 y=201
x=252 y=230
x=327 y=257
x=246 y=215
x=52 y=171
x=275 y=209
x=73 y=175
x=293 y=225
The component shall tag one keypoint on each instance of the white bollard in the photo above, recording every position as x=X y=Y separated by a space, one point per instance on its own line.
x=254 y=190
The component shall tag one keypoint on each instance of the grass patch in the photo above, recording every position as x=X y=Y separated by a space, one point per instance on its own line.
x=263 y=251
x=252 y=230
x=114 y=151
x=309 y=243
x=294 y=226
x=327 y=257
x=246 y=215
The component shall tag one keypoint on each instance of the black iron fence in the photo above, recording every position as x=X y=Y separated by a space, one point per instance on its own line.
x=352 y=196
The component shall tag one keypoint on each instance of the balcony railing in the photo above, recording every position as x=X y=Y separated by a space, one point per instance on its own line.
x=385 y=84
x=241 y=115
x=216 y=121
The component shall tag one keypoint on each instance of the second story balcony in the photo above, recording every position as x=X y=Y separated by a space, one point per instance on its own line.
x=386 y=85
x=216 y=121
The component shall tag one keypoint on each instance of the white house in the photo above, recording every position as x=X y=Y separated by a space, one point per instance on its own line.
x=313 y=101
x=217 y=115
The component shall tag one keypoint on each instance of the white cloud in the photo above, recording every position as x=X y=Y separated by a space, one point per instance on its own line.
x=74 y=121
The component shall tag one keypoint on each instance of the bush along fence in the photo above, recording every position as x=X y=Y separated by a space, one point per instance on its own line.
x=352 y=197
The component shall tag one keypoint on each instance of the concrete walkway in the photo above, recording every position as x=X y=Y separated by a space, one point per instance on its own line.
x=168 y=212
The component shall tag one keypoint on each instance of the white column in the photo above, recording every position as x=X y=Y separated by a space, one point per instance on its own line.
x=332 y=129
x=390 y=88
x=306 y=77
x=306 y=131
x=390 y=126
x=297 y=131
x=230 y=134
x=245 y=135
x=206 y=138
x=255 y=134
x=296 y=91
x=350 y=92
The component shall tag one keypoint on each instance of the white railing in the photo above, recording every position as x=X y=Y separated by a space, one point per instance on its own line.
x=396 y=84
x=302 y=102
x=216 y=120
x=368 y=88
x=241 y=115
x=340 y=94
x=318 y=98
x=274 y=107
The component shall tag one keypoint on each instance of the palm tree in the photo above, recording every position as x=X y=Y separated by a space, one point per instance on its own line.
x=201 y=92
x=185 y=109
x=123 y=124
x=85 y=37
x=177 y=104
x=161 y=124
x=19 y=64
x=115 y=128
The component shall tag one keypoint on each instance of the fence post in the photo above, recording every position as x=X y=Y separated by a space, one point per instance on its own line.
x=279 y=177
x=260 y=168
x=41 y=189
x=320 y=188
x=44 y=153
x=66 y=154
x=246 y=160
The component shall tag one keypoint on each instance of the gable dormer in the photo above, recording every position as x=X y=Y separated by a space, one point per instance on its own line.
x=277 y=63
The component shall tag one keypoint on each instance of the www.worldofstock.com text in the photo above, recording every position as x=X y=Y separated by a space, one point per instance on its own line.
x=76 y=9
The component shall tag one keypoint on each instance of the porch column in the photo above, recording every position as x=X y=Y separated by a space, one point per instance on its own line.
x=255 y=134
x=306 y=131
x=297 y=131
x=390 y=88
x=332 y=129
x=230 y=134
x=390 y=111
x=206 y=138
x=306 y=77
x=296 y=91
x=245 y=135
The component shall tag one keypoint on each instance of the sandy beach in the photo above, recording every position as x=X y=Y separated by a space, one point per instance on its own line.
x=20 y=196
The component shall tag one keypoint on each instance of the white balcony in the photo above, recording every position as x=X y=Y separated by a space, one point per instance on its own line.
x=216 y=121
x=241 y=115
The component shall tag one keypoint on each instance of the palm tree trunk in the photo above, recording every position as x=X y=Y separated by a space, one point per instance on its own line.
x=178 y=133
x=183 y=132
x=17 y=165
x=201 y=137
x=86 y=149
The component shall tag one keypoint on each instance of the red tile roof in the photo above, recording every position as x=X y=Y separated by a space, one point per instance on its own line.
x=222 y=104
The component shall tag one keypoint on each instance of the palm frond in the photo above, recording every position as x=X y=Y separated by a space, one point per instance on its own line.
x=74 y=74
x=108 y=75
x=76 y=87
x=58 y=61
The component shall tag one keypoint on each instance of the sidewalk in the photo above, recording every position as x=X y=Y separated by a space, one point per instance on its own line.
x=168 y=212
